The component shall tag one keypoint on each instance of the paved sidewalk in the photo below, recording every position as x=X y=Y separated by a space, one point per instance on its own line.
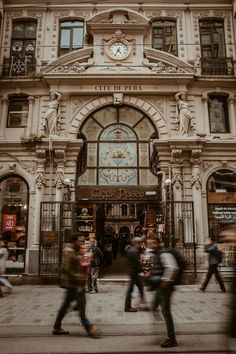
x=30 y=312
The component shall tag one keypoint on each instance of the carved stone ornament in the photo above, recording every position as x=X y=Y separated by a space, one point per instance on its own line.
x=206 y=166
x=196 y=180
x=59 y=179
x=75 y=67
x=195 y=157
x=176 y=157
x=177 y=180
x=161 y=68
x=41 y=160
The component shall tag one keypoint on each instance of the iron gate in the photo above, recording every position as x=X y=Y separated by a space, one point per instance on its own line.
x=180 y=231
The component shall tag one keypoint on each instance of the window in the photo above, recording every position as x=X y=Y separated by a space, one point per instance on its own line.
x=18 y=112
x=71 y=36
x=218 y=114
x=23 y=41
x=212 y=38
x=164 y=36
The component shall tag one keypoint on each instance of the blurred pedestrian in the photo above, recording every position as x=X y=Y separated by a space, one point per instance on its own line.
x=135 y=269
x=73 y=279
x=5 y=285
x=213 y=262
x=97 y=259
x=164 y=272
x=228 y=234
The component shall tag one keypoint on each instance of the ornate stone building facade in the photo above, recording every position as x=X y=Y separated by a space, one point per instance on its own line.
x=115 y=105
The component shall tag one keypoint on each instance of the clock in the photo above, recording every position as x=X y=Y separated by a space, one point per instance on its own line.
x=118 y=49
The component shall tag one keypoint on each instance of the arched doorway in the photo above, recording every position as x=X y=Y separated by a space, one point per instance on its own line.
x=14 y=220
x=116 y=170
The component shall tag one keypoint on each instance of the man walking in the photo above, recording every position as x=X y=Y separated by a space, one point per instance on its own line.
x=135 y=268
x=73 y=279
x=164 y=271
x=213 y=262
x=96 y=260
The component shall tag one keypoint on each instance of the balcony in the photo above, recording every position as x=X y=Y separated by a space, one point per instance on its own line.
x=19 y=66
x=217 y=66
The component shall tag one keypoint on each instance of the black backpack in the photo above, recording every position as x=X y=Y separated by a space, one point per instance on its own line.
x=182 y=264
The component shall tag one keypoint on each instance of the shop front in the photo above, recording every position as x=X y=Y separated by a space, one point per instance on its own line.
x=14 y=220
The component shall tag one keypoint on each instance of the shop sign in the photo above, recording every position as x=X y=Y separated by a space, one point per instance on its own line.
x=85 y=219
x=118 y=194
x=224 y=213
x=9 y=222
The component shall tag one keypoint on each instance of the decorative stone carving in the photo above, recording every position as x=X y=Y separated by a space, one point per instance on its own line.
x=161 y=68
x=177 y=181
x=176 y=157
x=52 y=118
x=41 y=160
x=75 y=67
x=206 y=166
x=196 y=180
x=195 y=157
x=183 y=115
x=60 y=161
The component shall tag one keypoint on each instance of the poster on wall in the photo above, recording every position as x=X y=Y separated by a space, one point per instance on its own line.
x=9 y=222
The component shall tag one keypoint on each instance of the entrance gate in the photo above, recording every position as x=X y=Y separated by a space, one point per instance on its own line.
x=59 y=220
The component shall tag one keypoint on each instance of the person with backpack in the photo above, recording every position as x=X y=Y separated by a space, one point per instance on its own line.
x=213 y=261
x=163 y=274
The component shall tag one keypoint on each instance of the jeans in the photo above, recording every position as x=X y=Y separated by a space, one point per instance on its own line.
x=213 y=269
x=134 y=280
x=162 y=297
x=73 y=294
x=92 y=280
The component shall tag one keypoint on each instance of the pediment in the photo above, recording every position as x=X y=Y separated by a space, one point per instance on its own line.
x=160 y=62
x=118 y=16
x=74 y=62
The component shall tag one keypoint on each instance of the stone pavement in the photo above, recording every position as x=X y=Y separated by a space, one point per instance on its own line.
x=30 y=311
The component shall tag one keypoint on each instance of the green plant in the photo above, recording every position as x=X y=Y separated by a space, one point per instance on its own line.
x=31 y=139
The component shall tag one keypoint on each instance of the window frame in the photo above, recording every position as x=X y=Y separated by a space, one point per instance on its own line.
x=164 y=27
x=224 y=99
x=213 y=25
x=64 y=51
x=14 y=99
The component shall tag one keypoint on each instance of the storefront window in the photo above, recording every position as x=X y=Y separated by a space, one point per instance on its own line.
x=221 y=191
x=14 y=216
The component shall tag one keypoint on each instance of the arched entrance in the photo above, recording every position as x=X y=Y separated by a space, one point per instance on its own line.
x=116 y=174
x=14 y=220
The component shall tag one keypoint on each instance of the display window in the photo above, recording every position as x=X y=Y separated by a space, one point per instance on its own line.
x=14 y=218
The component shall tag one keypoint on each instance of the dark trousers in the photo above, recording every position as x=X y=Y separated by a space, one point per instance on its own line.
x=213 y=269
x=134 y=280
x=73 y=294
x=162 y=298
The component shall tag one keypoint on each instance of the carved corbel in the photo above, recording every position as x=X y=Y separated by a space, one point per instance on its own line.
x=195 y=157
x=176 y=157
x=41 y=161
x=177 y=181
x=196 y=180
x=60 y=162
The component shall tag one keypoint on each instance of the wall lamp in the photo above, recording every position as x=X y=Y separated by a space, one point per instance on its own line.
x=67 y=184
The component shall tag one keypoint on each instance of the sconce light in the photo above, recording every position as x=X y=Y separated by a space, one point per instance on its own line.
x=67 y=184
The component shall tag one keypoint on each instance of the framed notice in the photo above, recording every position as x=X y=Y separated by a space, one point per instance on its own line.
x=9 y=222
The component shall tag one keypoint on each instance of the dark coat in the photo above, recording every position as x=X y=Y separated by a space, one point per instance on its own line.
x=134 y=261
x=73 y=274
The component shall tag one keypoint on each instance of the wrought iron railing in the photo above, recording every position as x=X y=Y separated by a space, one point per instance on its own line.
x=17 y=66
x=217 y=66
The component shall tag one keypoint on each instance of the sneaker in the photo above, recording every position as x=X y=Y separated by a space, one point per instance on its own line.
x=131 y=309
x=94 y=332
x=202 y=289
x=59 y=332
x=169 y=343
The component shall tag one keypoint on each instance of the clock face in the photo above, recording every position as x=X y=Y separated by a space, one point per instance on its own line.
x=118 y=50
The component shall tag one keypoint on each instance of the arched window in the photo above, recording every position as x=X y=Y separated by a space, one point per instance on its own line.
x=164 y=36
x=118 y=143
x=14 y=219
x=71 y=36
x=218 y=113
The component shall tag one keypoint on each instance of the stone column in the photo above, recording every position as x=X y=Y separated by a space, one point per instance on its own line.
x=196 y=183
x=60 y=162
x=232 y=118
x=40 y=183
x=3 y=122
x=206 y=115
x=30 y=115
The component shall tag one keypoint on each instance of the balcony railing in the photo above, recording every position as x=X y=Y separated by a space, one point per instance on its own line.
x=217 y=66
x=17 y=66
